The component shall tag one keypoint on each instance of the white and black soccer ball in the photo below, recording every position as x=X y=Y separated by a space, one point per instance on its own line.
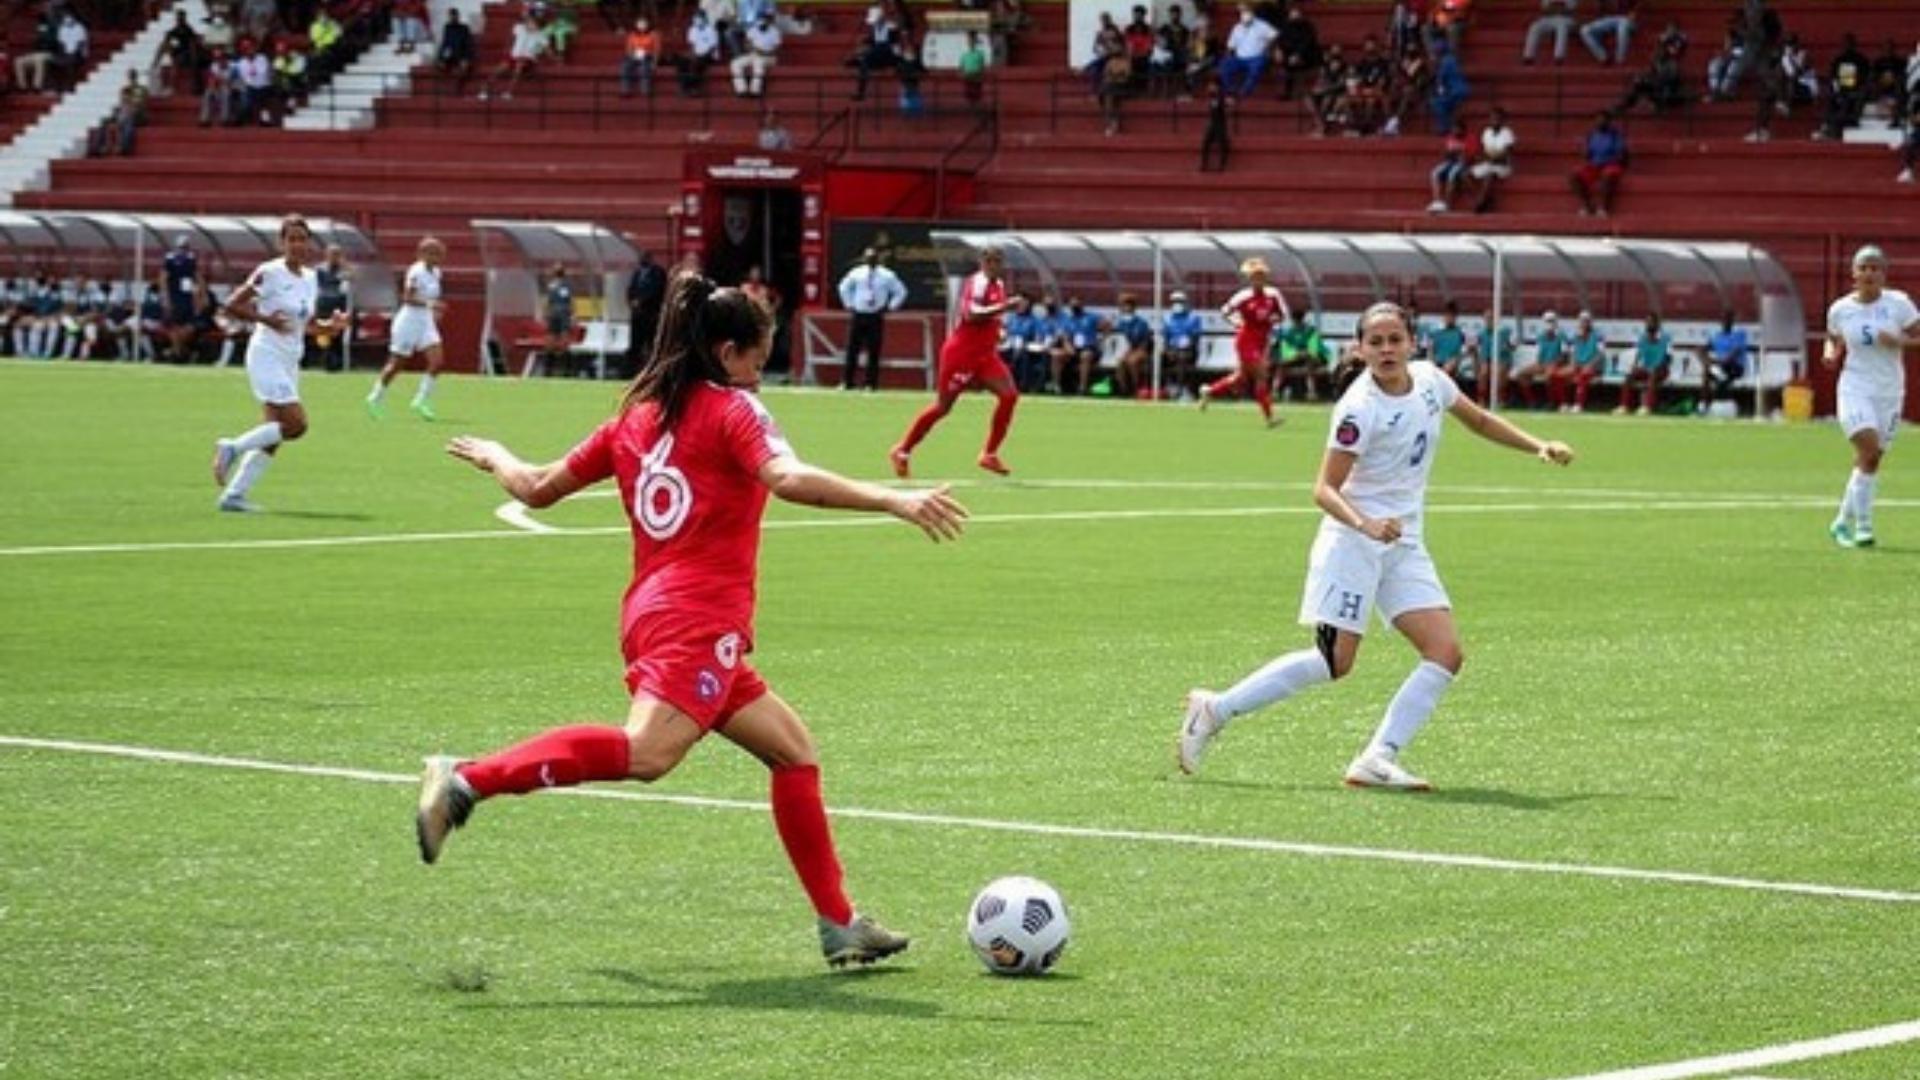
x=1018 y=926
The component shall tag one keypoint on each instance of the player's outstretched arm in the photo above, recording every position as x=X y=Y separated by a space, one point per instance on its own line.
x=536 y=486
x=937 y=513
x=1496 y=429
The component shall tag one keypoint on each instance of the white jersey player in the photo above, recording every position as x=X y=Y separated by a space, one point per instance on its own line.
x=1870 y=326
x=1369 y=554
x=278 y=298
x=416 y=332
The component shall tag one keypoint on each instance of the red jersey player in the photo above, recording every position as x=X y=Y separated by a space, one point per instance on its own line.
x=1253 y=312
x=971 y=354
x=695 y=456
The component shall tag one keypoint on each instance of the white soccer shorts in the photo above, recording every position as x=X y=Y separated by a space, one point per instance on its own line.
x=1350 y=576
x=275 y=381
x=1880 y=412
x=413 y=331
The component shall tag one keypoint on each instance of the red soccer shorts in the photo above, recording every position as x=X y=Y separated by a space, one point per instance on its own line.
x=960 y=369
x=700 y=669
x=1590 y=174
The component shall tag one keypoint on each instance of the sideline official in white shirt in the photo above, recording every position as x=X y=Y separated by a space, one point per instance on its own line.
x=868 y=291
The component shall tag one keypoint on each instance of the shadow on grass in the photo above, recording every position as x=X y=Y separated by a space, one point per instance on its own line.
x=828 y=993
x=319 y=515
x=1461 y=796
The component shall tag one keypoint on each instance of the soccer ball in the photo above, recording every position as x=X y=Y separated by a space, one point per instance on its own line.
x=1018 y=926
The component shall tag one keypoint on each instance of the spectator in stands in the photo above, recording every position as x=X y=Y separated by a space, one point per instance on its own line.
x=1298 y=48
x=1108 y=42
x=1910 y=108
x=1725 y=67
x=1444 y=181
x=910 y=71
x=216 y=95
x=1661 y=83
x=1450 y=19
x=1887 y=86
x=1367 y=83
x=1724 y=362
x=724 y=17
x=559 y=317
x=868 y=291
x=71 y=57
x=1909 y=150
x=973 y=70
x=703 y=51
x=1215 y=142
x=1605 y=152
x=1404 y=22
x=1172 y=48
x=254 y=81
x=115 y=134
x=642 y=52
x=1247 y=48
x=529 y=45
x=1846 y=90
x=1584 y=361
x=182 y=51
x=324 y=48
x=1556 y=18
x=30 y=67
x=1133 y=371
x=1617 y=18
x=1181 y=333
x=1493 y=162
x=1784 y=84
x=1140 y=37
x=1299 y=350
x=1412 y=85
x=410 y=29
x=455 y=56
x=557 y=21
x=773 y=135
x=1329 y=90
x=762 y=52
x=875 y=50
x=1449 y=86
x=1651 y=353
x=289 y=75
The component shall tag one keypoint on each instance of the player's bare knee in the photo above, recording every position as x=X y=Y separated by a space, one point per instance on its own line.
x=292 y=427
x=647 y=764
x=1445 y=654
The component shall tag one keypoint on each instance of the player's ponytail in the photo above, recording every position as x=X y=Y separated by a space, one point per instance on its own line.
x=697 y=318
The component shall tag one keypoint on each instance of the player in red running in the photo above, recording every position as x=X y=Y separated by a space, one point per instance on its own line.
x=694 y=454
x=971 y=354
x=1253 y=312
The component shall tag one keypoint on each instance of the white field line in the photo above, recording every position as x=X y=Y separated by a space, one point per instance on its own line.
x=849 y=522
x=1232 y=843
x=1768 y=1056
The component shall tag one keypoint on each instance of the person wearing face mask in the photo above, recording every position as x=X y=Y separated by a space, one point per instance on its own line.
x=1082 y=331
x=1247 y=48
x=1180 y=334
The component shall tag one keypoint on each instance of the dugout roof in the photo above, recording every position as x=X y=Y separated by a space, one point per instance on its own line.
x=234 y=244
x=536 y=245
x=1347 y=271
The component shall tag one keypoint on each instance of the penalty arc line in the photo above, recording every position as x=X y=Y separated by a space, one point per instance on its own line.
x=1031 y=828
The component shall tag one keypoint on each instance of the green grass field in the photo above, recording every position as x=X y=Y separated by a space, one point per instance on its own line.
x=1669 y=668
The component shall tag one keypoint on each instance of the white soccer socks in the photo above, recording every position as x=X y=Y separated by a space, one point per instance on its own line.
x=263 y=437
x=1280 y=679
x=1407 y=713
x=426 y=389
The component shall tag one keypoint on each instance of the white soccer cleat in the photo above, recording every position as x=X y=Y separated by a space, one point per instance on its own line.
x=445 y=804
x=237 y=504
x=1202 y=723
x=1378 y=769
